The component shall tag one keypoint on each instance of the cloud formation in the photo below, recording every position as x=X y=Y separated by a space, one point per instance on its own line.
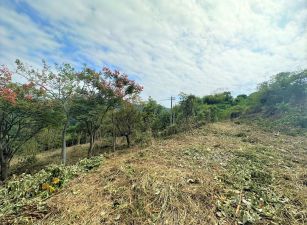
x=196 y=46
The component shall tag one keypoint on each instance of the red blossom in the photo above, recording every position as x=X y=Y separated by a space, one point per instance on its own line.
x=5 y=75
x=119 y=93
x=28 y=97
x=111 y=84
x=28 y=85
x=5 y=81
x=8 y=94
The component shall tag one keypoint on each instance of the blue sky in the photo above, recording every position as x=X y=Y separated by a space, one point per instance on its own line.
x=196 y=46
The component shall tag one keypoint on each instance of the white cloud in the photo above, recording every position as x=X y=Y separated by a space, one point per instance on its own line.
x=22 y=38
x=171 y=46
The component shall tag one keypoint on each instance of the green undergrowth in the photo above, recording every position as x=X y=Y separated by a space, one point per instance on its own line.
x=293 y=125
x=26 y=193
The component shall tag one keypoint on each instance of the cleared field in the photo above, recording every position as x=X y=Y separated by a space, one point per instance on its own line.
x=223 y=173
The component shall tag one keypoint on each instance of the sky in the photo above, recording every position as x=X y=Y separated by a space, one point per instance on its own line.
x=169 y=46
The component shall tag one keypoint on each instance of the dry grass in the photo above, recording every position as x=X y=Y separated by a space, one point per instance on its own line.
x=74 y=155
x=190 y=179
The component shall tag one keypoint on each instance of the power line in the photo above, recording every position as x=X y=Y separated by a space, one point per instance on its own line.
x=167 y=99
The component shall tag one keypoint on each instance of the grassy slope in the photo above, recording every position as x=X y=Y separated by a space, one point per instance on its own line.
x=53 y=156
x=224 y=172
x=74 y=154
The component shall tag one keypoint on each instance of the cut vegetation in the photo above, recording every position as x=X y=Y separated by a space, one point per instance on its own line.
x=222 y=173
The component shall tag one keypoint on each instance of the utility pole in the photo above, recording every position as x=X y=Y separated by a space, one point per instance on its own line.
x=172 y=118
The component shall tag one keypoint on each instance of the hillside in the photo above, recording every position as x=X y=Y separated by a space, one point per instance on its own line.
x=224 y=172
x=153 y=112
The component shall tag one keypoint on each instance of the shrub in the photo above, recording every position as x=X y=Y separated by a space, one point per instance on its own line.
x=143 y=138
x=170 y=130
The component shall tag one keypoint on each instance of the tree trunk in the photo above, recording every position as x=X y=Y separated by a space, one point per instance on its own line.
x=64 y=153
x=114 y=135
x=92 y=143
x=128 y=140
x=79 y=136
x=4 y=163
x=114 y=142
x=4 y=167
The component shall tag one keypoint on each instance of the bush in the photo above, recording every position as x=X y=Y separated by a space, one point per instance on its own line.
x=170 y=130
x=143 y=138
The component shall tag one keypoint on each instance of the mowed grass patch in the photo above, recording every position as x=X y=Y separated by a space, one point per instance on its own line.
x=204 y=176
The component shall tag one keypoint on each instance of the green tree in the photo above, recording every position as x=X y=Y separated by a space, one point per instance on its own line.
x=187 y=106
x=127 y=120
x=60 y=86
x=23 y=113
x=220 y=98
x=151 y=114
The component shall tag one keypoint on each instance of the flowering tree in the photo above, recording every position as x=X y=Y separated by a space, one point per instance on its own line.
x=22 y=115
x=60 y=86
x=101 y=92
